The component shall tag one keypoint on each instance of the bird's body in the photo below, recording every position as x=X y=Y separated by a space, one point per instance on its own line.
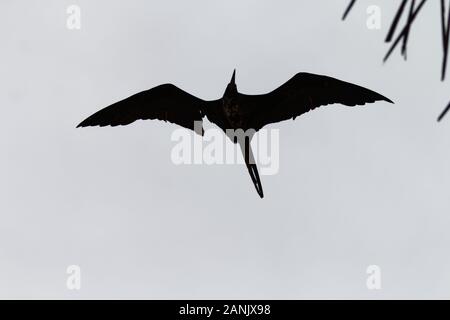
x=234 y=114
x=235 y=110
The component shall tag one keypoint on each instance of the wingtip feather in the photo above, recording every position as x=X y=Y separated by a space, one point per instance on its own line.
x=380 y=97
x=83 y=124
x=388 y=100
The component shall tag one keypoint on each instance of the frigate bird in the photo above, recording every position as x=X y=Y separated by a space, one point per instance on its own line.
x=302 y=93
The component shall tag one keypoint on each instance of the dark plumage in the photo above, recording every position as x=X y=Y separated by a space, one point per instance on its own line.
x=302 y=93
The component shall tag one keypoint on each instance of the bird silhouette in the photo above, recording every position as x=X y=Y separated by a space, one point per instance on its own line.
x=302 y=93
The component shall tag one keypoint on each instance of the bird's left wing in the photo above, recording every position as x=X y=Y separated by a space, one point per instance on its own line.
x=302 y=93
x=165 y=102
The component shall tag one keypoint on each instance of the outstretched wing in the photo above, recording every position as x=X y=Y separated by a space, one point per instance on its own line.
x=165 y=102
x=305 y=92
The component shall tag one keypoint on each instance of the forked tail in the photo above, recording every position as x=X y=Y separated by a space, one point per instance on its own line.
x=251 y=166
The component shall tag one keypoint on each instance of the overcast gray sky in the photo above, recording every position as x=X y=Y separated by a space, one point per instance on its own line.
x=356 y=187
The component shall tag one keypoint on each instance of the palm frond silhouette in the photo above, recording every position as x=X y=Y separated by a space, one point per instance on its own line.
x=397 y=36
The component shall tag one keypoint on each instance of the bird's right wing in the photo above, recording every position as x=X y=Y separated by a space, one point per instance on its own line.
x=165 y=102
x=302 y=93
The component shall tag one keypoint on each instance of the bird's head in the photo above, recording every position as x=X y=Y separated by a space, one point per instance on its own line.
x=231 y=92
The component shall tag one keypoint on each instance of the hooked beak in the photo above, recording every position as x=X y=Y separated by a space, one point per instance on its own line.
x=233 y=78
